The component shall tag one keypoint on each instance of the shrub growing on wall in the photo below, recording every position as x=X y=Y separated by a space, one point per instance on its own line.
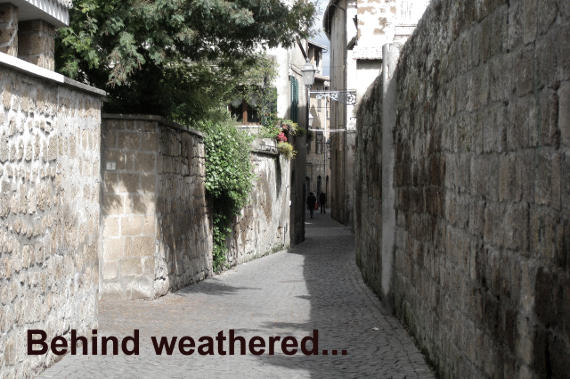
x=282 y=130
x=229 y=177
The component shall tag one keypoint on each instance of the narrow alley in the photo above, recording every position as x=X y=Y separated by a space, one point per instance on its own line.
x=316 y=285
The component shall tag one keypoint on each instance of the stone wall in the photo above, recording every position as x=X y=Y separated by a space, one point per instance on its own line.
x=368 y=185
x=49 y=210
x=263 y=226
x=156 y=227
x=482 y=168
x=358 y=29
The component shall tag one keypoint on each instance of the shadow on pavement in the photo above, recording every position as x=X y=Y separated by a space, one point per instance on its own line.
x=212 y=287
x=347 y=315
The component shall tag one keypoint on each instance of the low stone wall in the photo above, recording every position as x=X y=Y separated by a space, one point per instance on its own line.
x=155 y=225
x=480 y=271
x=264 y=224
x=49 y=210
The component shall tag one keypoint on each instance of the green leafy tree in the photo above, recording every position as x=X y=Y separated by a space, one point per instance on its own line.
x=178 y=58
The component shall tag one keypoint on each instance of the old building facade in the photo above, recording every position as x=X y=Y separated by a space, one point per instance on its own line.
x=318 y=155
x=357 y=30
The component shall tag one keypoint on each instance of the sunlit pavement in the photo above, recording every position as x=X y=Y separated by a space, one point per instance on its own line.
x=316 y=285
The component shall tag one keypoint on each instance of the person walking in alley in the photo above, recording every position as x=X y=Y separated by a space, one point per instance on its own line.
x=311 y=201
x=323 y=202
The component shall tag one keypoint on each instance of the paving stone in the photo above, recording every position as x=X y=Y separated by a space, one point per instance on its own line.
x=315 y=285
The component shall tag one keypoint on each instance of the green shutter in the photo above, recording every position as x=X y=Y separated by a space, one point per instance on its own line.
x=294 y=99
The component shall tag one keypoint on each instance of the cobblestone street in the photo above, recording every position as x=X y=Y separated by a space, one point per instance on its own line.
x=316 y=285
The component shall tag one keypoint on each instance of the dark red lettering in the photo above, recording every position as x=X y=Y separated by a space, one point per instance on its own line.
x=40 y=341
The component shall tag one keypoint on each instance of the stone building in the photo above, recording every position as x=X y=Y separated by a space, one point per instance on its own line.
x=357 y=30
x=291 y=104
x=291 y=100
x=49 y=188
x=28 y=29
x=318 y=155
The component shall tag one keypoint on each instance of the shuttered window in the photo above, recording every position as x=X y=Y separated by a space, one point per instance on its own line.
x=294 y=112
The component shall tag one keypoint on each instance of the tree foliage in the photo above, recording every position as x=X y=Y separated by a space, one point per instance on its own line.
x=183 y=59
x=173 y=56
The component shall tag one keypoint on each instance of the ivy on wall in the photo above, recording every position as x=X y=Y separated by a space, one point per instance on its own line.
x=229 y=177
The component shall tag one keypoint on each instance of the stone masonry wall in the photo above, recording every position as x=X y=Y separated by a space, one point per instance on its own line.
x=49 y=213
x=156 y=229
x=263 y=226
x=482 y=180
x=368 y=185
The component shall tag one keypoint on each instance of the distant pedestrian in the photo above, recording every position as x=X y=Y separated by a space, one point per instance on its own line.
x=323 y=202
x=311 y=201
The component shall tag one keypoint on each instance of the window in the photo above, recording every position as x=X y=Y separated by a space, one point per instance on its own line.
x=253 y=111
x=244 y=113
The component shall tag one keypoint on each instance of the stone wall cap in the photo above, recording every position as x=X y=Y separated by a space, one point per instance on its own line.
x=33 y=70
x=149 y=117
x=265 y=146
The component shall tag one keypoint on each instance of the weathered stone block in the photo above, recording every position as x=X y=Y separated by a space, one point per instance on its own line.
x=564 y=114
x=121 y=182
x=545 y=239
x=110 y=270
x=140 y=246
x=112 y=204
x=525 y=63
x=36 y=43
x=109 y=137
x=111 y=227
x=543 y=180
x=518 y=125
x=548 y=11
x=132 y=225
x=548 y=132
x=516 y=227
x=509 y=187
x=128 y=140
x=149 y=141
x=530 y=20
x=113 y=249
x=131 y=267
x=148 y=182
x=515 y=28
x=547 y=61
x=9 y=29
x=565 y=180
x=145 y=162
x=563 y=51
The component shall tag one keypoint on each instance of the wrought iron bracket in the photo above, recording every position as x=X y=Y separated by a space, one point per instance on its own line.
x=347 y=97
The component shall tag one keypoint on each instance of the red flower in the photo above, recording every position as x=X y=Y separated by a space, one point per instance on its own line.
x=281 y=137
